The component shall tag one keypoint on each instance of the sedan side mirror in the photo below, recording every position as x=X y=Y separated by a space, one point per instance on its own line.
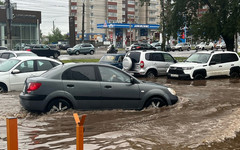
x=15 y=71
x=132 y=80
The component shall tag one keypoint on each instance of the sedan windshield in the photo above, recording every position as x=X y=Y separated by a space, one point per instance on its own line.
x=198 y=58
x=8 y=65
x=77 y=46
x=108 y=58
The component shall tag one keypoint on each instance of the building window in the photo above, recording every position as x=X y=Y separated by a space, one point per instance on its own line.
x=92 y=30
x=91 y=21
x=152 y=12
x=110 y=14
x=152 y=19
x=130 y=9
x=91 y=14
x=91 y=6
x=112 y=7
x=73 y=0
x=131 y=2
x=73 y=7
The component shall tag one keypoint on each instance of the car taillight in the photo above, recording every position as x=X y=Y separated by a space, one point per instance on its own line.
x=33 y=86
x=28 y=50
x=142 y=64
x=139 y=47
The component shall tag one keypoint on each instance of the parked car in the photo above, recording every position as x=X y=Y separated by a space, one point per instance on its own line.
x=158 y=46
x=3 y=48
x=4 y=55
x=206 y=64
x=181 y=47
x=64 y=46
x=89 y=86
x=14 y=71
x=221 y=45
x=147 y=63
x=113 y=59
x=130 y=47
x=141 y=46
x=43 y=50
x=10 y=54
x=84 y=48
x=205 y=46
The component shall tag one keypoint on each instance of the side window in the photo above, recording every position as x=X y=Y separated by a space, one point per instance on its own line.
x=168 y=58
x=37 y=46
x=229 y=58
x=120 y=58
x=216 y=58
x=43 y=65
x=5 y=55
x=157 y=57
x=81 y=73
x=113 y=75
x=11 y=55
x=26 y=66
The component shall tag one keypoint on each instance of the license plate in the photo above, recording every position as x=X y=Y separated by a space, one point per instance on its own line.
x=174 y=75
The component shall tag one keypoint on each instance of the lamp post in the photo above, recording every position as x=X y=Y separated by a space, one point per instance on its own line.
x=83 y=14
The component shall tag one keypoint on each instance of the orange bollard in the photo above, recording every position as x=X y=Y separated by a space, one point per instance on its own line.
x=12 y=134
x=79 y=131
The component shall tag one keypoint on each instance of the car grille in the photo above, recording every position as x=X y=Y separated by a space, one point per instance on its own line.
x=176 y=70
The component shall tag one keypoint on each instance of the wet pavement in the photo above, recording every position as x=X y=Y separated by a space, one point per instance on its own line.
x=206 y=117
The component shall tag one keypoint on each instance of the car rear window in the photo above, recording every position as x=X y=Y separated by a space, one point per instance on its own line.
x=135 y=56
x=229 y=58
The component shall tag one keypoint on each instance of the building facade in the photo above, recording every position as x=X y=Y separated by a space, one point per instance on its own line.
x=25 y=28
x=112 y=11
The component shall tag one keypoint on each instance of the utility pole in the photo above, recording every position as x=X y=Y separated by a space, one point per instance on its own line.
x=9 y=15
x=53 y=26
x=83 y=14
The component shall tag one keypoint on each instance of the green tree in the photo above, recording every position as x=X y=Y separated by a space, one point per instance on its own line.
x=55 y=36
x=1 y=3
x=220 y=20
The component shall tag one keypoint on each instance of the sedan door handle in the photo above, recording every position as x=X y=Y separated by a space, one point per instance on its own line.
x=220 y=66
x=70 y=85
x=108 y=86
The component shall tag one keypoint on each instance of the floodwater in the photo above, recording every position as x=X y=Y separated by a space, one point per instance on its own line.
x=207 y=116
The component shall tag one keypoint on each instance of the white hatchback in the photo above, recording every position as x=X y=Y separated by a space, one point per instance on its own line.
x=14 y=71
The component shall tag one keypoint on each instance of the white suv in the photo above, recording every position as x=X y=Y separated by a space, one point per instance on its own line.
x=205 y=64
x=148 y=63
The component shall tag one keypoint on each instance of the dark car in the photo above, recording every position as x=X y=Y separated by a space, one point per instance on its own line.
x=43 y=50
x=3 y=48
x=113 y=59
x=143 y=46
x=89 y=86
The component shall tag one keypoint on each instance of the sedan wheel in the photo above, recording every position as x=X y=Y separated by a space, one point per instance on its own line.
x=58 y=105
x=155 y=102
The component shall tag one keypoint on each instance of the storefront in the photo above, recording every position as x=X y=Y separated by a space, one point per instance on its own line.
x=25 y=28
x=119 y=31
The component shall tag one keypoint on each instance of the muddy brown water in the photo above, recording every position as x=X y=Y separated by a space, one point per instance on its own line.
x=207 y=116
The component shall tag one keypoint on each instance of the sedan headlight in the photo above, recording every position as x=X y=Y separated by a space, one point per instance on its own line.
x=172 y=91
x=187 y=68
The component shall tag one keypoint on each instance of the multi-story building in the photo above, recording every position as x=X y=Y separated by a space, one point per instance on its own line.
x=112 y=11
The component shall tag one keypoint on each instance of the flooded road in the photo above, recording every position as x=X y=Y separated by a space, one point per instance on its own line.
x=207 y=116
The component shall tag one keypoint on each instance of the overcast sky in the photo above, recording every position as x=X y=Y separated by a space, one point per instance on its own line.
x=52 y=10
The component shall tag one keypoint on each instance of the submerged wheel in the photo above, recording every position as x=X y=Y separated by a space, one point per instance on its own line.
x=155 y=102
x=151 y=74
x=234 y=75
x=198 y=77
x=58 y=105
x=3 y=88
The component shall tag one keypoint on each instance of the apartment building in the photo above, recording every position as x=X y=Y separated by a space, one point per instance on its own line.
x=111 y=11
